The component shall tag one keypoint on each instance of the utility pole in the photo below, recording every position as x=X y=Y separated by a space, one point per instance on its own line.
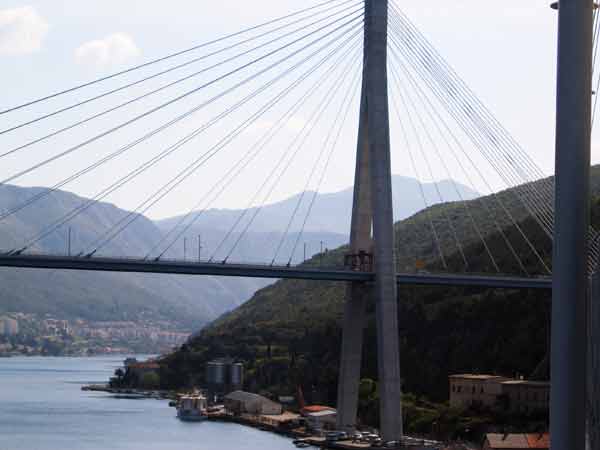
x=184 y=248
x=321 y=255
x=199 y=247
x=304 y=252
x=570 y=269
x=69 y=243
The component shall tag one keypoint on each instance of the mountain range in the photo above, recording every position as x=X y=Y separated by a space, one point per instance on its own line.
x=189 y=301
x=332 y=211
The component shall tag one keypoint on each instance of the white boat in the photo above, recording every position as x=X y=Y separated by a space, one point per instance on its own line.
x=192 y=408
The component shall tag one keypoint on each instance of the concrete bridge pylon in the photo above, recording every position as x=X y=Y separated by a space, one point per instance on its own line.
x=372 y=240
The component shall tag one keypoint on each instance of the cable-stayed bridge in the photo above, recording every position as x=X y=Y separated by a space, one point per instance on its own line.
x=222 y=116
x=178 y=267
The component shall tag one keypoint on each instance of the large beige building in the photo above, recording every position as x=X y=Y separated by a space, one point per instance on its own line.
x=496 y=392
x=468 y=390
x=526 y=396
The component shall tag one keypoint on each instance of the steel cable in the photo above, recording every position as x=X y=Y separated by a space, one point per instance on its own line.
x=456 y=86
x=542 y=217
x=250 y=155
x=477 y=143
x=191 y=169
x=162 y=88
x=180 y=97
x=312 y=173
x=164 y=58
x=403 y=94
x=323 y=173
x=297 y=142
x=139 y=140
x=432 y=52
x=427 y=211
x=163 y=154
x=435 y=120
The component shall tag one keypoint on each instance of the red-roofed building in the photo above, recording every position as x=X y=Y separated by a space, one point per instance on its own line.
x=516 y=441
x=315 y=409
x=539 y=440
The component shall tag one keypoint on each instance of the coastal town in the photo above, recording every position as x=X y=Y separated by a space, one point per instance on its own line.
x=222 y=397
x=279 y=224
x=32 y=334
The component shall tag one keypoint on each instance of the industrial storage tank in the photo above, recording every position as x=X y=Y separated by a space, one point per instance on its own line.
x=215 y=373
x=237 y=374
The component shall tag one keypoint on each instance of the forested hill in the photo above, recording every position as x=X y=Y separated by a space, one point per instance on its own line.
x=289 y=333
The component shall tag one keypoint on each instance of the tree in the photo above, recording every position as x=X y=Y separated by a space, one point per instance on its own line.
x=150 y=380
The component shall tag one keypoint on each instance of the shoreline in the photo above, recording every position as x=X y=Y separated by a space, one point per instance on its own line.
x=312 y=440
x=131 y=393
x=294 y=435
x=244 y=420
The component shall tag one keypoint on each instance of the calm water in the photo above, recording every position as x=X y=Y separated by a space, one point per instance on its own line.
x=43 y=408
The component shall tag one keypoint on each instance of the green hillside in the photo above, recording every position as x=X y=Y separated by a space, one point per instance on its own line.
x=188 y=302
x=289 y=333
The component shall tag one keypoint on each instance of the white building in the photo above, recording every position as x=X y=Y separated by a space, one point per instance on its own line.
x=8 y=326
x=321 y=420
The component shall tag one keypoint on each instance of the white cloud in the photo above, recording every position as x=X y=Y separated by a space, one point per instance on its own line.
x=116 y=48
x=22 y=30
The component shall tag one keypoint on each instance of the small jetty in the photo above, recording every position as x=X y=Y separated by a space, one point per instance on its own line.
x=129 y=393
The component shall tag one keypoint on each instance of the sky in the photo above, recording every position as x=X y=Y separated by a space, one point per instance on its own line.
x=506 y=52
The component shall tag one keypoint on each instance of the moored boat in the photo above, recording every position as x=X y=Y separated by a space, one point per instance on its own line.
x=192 y=408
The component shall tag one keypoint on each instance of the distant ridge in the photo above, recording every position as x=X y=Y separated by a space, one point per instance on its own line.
x=189 y=301
x=332 y=211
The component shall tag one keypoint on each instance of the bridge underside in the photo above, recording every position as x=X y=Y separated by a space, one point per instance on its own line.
x=263 y=271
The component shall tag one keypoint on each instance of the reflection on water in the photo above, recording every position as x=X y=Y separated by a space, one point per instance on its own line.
x=43 y=408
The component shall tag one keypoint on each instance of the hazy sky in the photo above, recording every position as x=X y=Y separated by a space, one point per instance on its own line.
x=505 y=51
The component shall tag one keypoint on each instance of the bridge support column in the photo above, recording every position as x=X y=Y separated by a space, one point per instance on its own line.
x=373 y=179
x=593 y=412
x=356 y=293
x=570 y=283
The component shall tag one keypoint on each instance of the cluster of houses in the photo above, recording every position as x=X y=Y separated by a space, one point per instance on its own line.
x=466 y=391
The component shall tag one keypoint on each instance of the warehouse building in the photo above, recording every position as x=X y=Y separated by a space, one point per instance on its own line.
x=240 y=402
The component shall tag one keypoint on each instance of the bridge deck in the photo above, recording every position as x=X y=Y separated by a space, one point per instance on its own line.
x=260 y=271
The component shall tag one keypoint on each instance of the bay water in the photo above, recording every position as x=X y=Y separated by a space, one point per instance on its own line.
x=42 y=407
